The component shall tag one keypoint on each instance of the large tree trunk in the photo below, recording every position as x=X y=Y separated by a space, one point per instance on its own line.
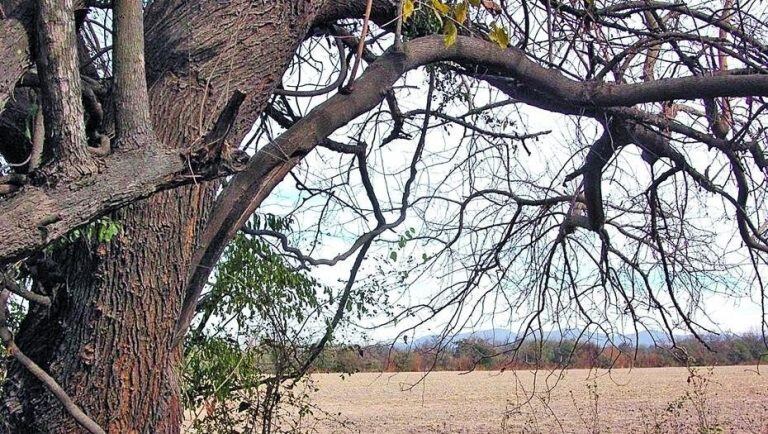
x=107 y=337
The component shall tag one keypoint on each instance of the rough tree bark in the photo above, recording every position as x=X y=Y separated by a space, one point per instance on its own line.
x=107 y=337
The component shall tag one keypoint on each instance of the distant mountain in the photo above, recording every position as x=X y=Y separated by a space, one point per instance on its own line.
x=643 y=339
x=500 y=336
x=495 y=336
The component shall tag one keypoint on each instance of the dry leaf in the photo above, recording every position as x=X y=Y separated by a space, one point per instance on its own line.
x=492 y=7
x=440 y=7
x=499 y=36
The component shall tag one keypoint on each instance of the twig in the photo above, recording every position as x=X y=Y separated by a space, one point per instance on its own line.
x=360 y=47
x=399 y=27
x=343 y=71
x=318 y=348
x=13 y=287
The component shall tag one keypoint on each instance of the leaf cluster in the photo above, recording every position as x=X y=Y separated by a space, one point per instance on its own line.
x=449 y=17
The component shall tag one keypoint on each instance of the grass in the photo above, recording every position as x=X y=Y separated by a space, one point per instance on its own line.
x=650 y=400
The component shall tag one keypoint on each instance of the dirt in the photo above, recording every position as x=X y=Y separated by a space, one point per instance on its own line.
x=651 y=400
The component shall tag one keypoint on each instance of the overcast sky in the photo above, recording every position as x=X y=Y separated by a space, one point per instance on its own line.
x=727 y=313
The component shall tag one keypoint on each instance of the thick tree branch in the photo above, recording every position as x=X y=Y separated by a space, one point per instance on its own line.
x=38 y=142
x=38 y=215
x=133 y=121
x=61 y=87
x=600 y=153
x=270 y=165
x=14 y=45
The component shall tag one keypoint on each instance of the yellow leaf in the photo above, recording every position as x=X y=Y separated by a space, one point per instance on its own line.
x=450 y=33
x=474 y=2
x=440 y=7
x=499 y=36
x=460 y=13
x=408 y=8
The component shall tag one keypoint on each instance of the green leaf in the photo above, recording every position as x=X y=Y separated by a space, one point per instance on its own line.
x=408 y=8
x=499 y=36
x=393 y=255
x=450 y=33
x=474 y=2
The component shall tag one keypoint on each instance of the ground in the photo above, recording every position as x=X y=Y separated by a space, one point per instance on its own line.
x=653 y=400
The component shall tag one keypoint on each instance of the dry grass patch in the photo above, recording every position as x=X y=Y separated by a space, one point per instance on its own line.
x=650 y=400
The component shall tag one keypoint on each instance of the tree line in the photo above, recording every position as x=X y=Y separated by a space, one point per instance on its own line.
x=478 y=354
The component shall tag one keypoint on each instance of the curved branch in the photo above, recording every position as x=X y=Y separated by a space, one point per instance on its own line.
x=343 y=71
x=270 y=165
x=14 y=47
x=48 y=381
x=597 y=158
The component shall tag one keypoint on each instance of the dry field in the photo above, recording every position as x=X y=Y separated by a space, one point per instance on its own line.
x=653 y=400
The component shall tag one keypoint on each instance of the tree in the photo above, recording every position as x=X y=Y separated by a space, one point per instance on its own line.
x=142 y=382
x=250 y=344
x=142 y=139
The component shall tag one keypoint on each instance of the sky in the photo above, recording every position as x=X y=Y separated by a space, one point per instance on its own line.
x=730 y=313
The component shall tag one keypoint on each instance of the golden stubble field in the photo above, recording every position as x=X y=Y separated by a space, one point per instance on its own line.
x=652 y=400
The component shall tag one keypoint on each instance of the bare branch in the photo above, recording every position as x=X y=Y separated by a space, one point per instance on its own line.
x=343 y=72
x=268 y=167
x=15 y=288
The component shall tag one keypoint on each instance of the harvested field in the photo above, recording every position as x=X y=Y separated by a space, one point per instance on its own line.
x=650 y=400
